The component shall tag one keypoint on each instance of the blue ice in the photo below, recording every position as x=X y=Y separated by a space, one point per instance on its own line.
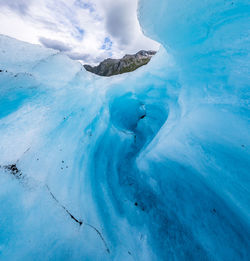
x=151 y=165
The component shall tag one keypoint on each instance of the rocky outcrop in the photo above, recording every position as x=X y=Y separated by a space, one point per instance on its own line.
x=126 y=64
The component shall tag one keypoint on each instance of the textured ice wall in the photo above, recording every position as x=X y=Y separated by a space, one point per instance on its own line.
x=153 y=165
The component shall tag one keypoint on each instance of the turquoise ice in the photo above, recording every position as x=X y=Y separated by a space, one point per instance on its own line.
x=151 y=165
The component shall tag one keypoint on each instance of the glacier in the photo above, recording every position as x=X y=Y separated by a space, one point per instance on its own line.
x=152 y=165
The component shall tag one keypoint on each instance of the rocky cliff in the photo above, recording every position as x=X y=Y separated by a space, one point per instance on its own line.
x=128 y=63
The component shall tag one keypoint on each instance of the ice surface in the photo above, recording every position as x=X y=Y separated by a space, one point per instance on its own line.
x=153 y=165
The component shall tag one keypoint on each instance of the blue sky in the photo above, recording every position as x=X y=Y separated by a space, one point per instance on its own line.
x=89 y=31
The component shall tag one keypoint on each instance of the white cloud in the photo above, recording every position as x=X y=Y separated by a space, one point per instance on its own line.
x=19 y=6
x=89 y=30
x=55 y=44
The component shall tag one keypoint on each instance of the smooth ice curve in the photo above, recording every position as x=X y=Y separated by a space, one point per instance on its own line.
x=153 y=165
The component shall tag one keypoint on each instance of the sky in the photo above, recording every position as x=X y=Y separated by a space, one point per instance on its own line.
x=86 y=30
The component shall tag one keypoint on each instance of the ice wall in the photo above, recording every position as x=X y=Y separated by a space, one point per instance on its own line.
x=153 y=165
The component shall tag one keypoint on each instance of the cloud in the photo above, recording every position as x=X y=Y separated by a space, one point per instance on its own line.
x=19 y=6
x=79 y=56
x=54 y=44
x=87 y=58
x=87 y=30
x=120 y=20
x=85 y=5
x=78 y=33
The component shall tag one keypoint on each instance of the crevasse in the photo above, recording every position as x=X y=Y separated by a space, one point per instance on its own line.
x=153 y=165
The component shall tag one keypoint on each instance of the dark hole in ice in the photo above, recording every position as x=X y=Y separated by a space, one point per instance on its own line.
x=213 y=211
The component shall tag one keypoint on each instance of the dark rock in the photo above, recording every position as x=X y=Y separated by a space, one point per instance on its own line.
x=126 y=64
x=14 y=170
